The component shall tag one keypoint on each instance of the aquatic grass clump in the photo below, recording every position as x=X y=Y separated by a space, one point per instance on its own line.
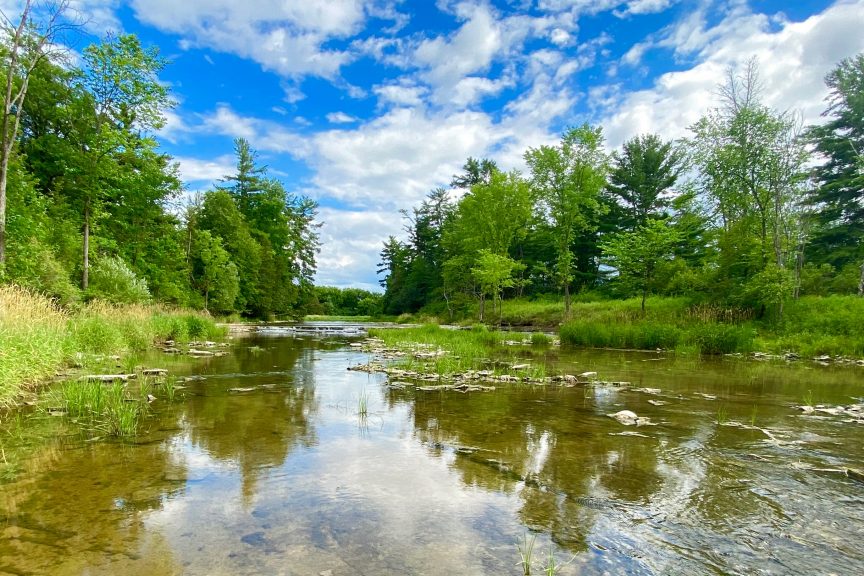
x=641 y=335
x=449 y=351
x=526 y=553
x=540 y=340
x=106 y=408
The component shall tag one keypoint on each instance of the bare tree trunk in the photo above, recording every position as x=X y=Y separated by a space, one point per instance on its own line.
x=86 y=263
x=482 y=305
x=4 y=166
x=799 y=264
x=861 y=282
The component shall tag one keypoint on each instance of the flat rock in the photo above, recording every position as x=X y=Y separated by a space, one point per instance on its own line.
x=155 y=372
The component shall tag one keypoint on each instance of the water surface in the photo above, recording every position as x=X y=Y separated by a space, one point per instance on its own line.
x=290 y=478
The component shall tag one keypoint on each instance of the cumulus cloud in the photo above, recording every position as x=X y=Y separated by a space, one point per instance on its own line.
x=351 y=244
x=793 y=61
x=200 y=171
x=284 y=36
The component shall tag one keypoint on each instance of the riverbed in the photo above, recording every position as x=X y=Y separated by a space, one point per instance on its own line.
x=279 y=460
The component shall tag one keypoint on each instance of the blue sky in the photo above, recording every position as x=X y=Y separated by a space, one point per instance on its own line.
x=367 y=106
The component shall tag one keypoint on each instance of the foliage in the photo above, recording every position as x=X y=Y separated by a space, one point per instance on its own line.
x=112 y=280
x=839 y=198
x=37 y=337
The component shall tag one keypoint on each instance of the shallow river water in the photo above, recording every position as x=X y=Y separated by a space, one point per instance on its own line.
x=289 y=478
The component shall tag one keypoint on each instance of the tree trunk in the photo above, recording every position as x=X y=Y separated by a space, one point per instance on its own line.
x=644 y=295
x=86 y=263
x=482 y=305
x=4 y=165
x=567 y=300
x=861 y=282
x=799 y=264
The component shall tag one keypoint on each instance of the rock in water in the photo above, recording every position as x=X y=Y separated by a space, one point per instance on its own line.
x=626 y=417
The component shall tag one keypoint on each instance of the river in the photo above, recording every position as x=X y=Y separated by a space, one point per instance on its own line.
x=291 y=477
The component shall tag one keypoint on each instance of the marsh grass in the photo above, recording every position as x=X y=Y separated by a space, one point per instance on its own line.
x=37 y=337
x=457 y=351
x=111 y=409
x=722 y=414
x=526 y=554
x=363 y=405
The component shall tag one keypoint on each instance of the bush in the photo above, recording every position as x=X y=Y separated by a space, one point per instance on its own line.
x=112 y=280
x=721 y=338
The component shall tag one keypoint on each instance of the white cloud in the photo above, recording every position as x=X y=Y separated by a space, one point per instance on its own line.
x=394 y=160
x=285 y=36
x=262 y=134
x=793 y=60
x=636 y=7
x=205 y=171
x=340 y=118
x=351 y=244
x=400 y=94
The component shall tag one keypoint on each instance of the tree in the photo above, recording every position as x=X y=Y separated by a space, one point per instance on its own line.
x=26 y=43
x=493 y=273
x=250 y=177
x=642 y=175
x=121 y=78
x=752 y=171
x=474 y=172
x=636 y=254
x=492 y=215
x=839 y=198
x=213 y=272
x=568 y=179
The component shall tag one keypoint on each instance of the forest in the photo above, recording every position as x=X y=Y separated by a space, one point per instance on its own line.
x=90 y=208
x=751 y=210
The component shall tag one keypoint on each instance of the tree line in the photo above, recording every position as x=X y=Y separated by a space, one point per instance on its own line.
x=750 y=209
x=91 y=207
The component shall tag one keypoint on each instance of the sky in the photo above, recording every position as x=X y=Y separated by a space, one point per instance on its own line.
x=367 y=106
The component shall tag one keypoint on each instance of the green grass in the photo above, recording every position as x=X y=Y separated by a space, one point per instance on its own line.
x=37 y=337
x=114 y=409
x=526 y=554
x=476 y=349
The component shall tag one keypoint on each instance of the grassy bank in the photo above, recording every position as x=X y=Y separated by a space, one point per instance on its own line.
x=810 y=326
x=37 y=338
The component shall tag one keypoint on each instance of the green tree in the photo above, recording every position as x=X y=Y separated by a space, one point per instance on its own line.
x=636 y=254
x=220 y=216
x=642 y=176
x=121 y=80
x=751 y=163
x=839 y=197
x=568 y=179
x=474 y=171
x=494 y=273
x=24 y=45
x=213 y=272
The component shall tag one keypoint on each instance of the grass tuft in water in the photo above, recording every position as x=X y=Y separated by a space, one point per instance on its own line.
x=110 y=409
x=363 y=404
x=526 y=554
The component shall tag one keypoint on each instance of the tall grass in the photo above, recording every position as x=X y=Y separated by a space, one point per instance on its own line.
x=37 y=337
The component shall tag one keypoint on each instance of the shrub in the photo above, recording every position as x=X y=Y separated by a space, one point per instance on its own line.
x=111 y=279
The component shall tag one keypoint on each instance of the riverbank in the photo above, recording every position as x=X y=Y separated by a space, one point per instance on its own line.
x=811 y=326
x=38 y=338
